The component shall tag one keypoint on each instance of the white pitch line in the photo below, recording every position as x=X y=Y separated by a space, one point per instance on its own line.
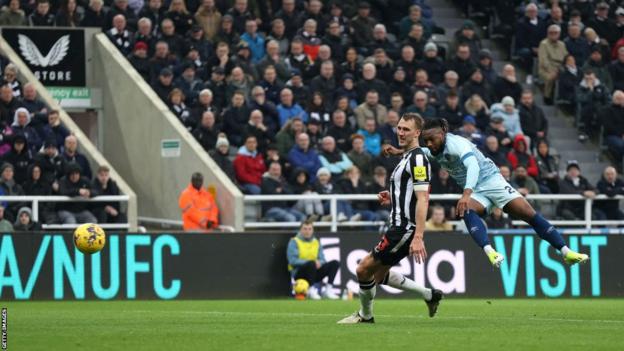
x=301 y=314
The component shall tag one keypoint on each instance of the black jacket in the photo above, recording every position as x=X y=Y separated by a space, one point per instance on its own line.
x=52 y=168
x=67 y=188
x=224 y=162
x=271 y=186
x=610 y=207
x=566 y=186
x=532 y=120
x=612 y=118
x=207 y=138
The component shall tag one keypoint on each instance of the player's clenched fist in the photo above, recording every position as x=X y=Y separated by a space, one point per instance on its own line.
x=384 y=198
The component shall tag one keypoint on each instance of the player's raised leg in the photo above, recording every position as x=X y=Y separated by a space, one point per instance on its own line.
x=521 y=209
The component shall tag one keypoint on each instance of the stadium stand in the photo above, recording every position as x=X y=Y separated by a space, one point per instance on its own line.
x=231 y=69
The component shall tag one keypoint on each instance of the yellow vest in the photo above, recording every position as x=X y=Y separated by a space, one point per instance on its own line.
x=308 y=250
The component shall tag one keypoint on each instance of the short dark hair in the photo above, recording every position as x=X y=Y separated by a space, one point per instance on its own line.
x=432 y=123
x=306 y=222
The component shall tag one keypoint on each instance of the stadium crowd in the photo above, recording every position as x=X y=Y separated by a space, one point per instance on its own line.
x=297 y=97
x=39 y=156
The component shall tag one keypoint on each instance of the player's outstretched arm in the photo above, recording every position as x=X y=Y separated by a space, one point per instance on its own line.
x=417 y=247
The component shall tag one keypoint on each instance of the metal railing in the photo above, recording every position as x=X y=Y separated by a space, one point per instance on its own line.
x=36 y=200
x=333 y=224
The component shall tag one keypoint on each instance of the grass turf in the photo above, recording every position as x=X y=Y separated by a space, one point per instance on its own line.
x=461 y=324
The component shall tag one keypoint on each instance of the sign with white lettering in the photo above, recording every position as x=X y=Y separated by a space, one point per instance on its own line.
x=55 y=56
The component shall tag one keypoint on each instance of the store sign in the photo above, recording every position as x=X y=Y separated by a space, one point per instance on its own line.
x=55 y=56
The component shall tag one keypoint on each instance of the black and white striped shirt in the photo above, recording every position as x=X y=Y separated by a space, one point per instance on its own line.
x=413 y=173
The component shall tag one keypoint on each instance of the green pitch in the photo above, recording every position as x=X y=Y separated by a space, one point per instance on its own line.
x=461 y=324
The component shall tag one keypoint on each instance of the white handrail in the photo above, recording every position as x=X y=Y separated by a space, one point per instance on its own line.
x=35 y=200
x=587 y=222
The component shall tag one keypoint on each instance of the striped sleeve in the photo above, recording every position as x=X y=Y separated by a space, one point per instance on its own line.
x=420 y=170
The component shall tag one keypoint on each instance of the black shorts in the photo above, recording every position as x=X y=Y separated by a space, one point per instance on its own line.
x=394 y=245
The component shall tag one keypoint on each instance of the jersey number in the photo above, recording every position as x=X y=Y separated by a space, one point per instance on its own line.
x=509 y=189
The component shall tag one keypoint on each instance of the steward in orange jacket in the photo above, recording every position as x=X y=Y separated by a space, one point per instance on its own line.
x=199 y=209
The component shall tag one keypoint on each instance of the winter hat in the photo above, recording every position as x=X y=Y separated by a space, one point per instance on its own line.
x=4 y=166
x=323 y=170
x=140 y=45
x=508 y=100
x=222 y=140
x=431 y=47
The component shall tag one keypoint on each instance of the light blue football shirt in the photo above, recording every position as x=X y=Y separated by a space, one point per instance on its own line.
x=456 y=150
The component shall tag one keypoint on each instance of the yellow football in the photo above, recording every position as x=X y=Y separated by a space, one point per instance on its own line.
x=89 y=238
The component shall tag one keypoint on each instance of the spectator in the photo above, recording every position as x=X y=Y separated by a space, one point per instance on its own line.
x=352 y=183
x=205 y=103
x=511 y=118
x=462 y=63
x=21 y=125
x=8 y=187
x=379 y=184
x=421 y=105
x=189 y=83
x=498 y=220
x=324 y=185
x=361 y=157
x=234 y=117
x=182 y=19
x=370 y=82
x=279 y=35
x=414 y=16
x=362 y=25
x=71 y=155
x=486 y=65
x=599 y=67
x=75 y=185
x=95 y=16
x=467 y=35
x=217 y=86
x=388 y=130
x=422 y=83
x=616 y=69
x=530 y=30
x=274 y=184
x=340 y=130
x=450 y=84
x=285 y=138
x=297 y=59
x=526 y=184
x=551 y=53
x=603 y=25
x=437 y=221
x=25 y=222
x=120 y=35
x=548 y=165
x=209 y=18
x=569 y=78
x=300 y=91
x=164 y=85
x=507 y=84
x=68 y=14
x=55 y=130
x=532 y=120
x=575 y=183
x=199 y=209
x=612 y=118
x=12 y=15
x=313 y=208
x=520 y=156
x=36 y=185
x=221 y=156
x=176 y=101
x=8 y=103
x=163 y=58
x=273 y=59
x=289 y=109
x=31 y=101
x=257 y=128
x=577 y=45
x=469 y=131
x=302 y=156
x=311 y=42
x=347 y=90
x=444 y=184
x=52 y=164
x=372 y=138
x=103 y=185
x=315 y=132
x=479 y=86
x=20 y=157
x=168 y=35
x=408 y=62
x=381 y=41
x=506 y=173
x=5 y=226
x=120 y=7
x=307 y=261
x=371 y=109
x=333 y=158
x=416 y=39
x=42 y=15
x=317 y=109
x=138 y=59
x=238 y=81
x=227 y=33
x=611 y=185
x=592 y=96
x=474 y=106
x=492 y=151
x=249 y=166
x=206 y=133
x=254 y=40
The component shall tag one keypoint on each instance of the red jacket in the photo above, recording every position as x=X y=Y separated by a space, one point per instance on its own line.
x=249 y=169
x=519 y=158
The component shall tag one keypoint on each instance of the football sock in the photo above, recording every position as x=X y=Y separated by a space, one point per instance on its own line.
x=399 y=281
x=367 y=295
x=548 y=232
x=476 y=228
